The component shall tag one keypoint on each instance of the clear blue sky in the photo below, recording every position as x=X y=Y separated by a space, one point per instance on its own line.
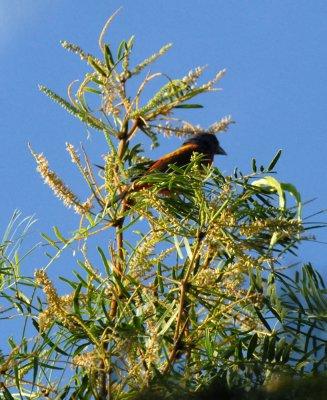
x=275 y=88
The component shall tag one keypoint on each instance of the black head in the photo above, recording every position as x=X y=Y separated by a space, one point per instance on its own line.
x=207 y=142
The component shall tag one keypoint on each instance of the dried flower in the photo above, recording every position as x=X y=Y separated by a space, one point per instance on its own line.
x=193 y=75
x=57 y=185
x=73 y=154
x=221 y=125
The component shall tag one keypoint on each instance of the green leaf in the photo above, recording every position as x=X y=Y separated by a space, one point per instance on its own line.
x=274 y=160
x=189 y=106
x=104 y=309
x=35 y=369
x=7 y=394
x=151 y=135
x=121 y=49
x=252 y=346
x=12 y=343
x=262 y=319
x=178 y=249
x=159 y=278
x=272 y=309
x=91 y=90
x=274 y=186
x=108 y=57
x=239 y=351
x=59 y=235
x=81 y=279
x=271 y=348
x=208 y=343
x=80 y=348
x=265 y=348
x=17 y=377
x=118 y=280
x=188 y=248
x=45 y=365
x=220 y=210
x=130 y=43
x=76 y=300
x=96 y=67
x=286 y=354
x=288 y=187
x=104 y=261
x=274 y=239
x=63 y=393
x=48 y=341
x=169 y=323
x=254 y=165
x=50 y=241
x=280 y=349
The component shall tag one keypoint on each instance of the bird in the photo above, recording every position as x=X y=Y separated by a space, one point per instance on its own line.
x=203 y=143
x=206 y=144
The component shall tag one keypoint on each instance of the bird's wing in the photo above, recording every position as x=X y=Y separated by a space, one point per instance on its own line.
x=178 y=157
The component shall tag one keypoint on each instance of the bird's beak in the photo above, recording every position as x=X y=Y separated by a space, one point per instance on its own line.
x=221 y=151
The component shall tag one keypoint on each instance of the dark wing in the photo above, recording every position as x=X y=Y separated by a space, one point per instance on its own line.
x=179 y=157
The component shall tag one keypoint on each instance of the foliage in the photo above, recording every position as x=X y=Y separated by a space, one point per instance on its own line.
x=187 y=288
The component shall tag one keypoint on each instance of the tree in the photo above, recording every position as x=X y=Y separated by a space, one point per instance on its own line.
x=189 y=289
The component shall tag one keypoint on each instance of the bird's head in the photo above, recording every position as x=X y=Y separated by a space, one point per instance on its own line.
x=207 y=142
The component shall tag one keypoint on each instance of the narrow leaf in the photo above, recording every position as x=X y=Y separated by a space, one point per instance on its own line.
x=96 y=67
x=178 y=249
x=189 y=106
x=291 y=189
x=188 y=248
x=274 y=160
x=121 y=49
x=254 y=165
x=104 y=260
x=76 y=300
x=252 y=346
x=274 y=185
x=108 y=57
x=91 y=90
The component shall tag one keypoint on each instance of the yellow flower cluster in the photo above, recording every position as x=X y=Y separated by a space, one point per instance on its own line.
x=58 y=187
x=87 y=360
x=140 y=261
x=206 y=277
x=285 y=227
x=73 y=154
x=110 y=173
x=58 y=307
x=152 y=344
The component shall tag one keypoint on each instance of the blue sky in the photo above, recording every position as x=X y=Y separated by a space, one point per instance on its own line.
x=275 y=88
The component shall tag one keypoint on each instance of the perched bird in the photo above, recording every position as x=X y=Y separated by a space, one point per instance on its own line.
x=203 y=143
